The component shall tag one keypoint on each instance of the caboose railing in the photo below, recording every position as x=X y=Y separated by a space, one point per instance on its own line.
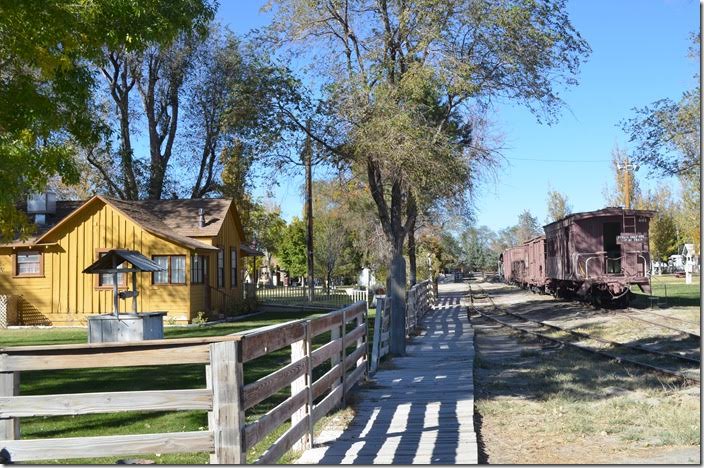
x=588 y=258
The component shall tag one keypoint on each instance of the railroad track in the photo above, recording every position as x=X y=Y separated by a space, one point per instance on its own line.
x=631 y=354
x=678 y=330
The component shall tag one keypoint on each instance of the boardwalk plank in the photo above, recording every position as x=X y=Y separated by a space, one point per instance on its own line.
x=421 y=410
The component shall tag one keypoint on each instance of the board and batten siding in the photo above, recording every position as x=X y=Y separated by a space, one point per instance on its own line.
x=65 y=296
x=227 y=297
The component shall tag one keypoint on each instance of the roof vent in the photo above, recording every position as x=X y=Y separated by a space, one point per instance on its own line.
x=201 y=217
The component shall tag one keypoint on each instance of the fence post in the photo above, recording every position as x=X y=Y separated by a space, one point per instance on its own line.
x=344 y=356
x=9 y=386
x=361 y=341
x=299 y=350
x=376 y=340
x=227 y=382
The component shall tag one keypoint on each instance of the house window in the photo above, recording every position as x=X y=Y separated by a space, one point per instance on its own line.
x=161 y=277
x=177 y=272
x=28 y=264
x=221 y=268
x=199 y=267
x=233 y=267
x=175 y=269
x=106 y=279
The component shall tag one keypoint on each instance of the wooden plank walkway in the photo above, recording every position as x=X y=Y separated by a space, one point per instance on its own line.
x=420 y=409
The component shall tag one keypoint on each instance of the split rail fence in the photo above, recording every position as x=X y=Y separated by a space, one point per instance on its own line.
x=226 y=397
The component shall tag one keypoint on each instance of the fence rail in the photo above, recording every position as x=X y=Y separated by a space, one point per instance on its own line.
x=226 y=397
x=419 y=301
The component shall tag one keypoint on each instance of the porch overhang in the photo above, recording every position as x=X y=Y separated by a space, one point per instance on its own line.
x=247 y=251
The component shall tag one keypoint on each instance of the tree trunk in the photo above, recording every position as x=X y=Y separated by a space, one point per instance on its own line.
x=412 y=255
x=395 y=230
x=308 y=156
x=397 y=295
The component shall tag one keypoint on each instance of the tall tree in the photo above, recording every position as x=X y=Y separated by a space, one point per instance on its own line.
x=663 y=236
x=476 y=248
x=666 y=133
x=558 y=206
x=527 y=227
x=47 y=50
x=667 y=139
x=292 y=248
x=403 y=82
x=197 y=95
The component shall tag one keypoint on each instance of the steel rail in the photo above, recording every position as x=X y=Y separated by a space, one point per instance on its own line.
x=669 y=317
x=638 y=348
x=679 y=330
x=616 y=357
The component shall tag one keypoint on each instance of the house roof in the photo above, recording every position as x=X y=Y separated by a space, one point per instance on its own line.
x=174 y=220
x=181 y=216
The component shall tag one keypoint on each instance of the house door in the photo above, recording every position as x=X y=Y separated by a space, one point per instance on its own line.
x=612 y=249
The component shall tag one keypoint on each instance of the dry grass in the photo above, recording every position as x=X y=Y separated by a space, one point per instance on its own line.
x=535 y=407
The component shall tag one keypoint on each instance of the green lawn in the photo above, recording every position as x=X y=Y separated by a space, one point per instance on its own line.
x=671 y=291
x=145 y=378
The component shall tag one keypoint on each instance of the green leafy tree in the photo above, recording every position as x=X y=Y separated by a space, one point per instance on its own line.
x=476 y=245
x=663 y=232
x=666 y=134
x=505 y=238
x=527 y=227
x=689 y=214
x=403 y=82
x=268 y=228
x=47 y=50
x=558 y=206
x=292 y=249
x=197 y=95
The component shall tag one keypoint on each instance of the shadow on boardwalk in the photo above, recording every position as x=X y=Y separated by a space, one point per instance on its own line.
x=420 y=408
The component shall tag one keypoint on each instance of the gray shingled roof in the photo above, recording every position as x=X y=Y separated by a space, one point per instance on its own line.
x=175 y=220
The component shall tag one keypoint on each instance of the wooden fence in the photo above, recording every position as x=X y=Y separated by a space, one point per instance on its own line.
x=382 y=334
x=419 y=300
x=226 y=397
x=298 y=295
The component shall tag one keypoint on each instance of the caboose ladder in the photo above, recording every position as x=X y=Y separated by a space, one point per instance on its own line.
x=629 y=223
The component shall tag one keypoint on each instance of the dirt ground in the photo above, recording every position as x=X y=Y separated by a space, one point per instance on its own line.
x=539 y=403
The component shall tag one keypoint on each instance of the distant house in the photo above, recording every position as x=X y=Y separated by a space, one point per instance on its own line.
x=199 y=242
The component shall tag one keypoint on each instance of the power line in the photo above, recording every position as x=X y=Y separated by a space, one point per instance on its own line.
x=561 y=160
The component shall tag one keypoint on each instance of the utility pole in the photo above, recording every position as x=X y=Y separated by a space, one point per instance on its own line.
x=627 y=167
x=308 y=162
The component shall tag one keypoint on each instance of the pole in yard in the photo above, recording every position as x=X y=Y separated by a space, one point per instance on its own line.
x=308 y=161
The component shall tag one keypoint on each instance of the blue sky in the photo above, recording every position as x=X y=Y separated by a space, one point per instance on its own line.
x=639 y=55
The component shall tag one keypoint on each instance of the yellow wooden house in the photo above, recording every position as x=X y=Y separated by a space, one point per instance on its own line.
x=199 y=242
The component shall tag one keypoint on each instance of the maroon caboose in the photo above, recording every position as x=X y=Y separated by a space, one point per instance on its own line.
x=597 y=255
